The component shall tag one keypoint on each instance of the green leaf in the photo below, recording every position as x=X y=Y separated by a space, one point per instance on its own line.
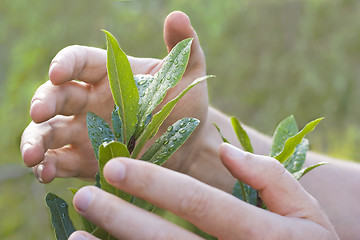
x=97 y=180
x=102 y=234
x=159 y=118
x=170 y=141
x=286 y=128
x=87 y=225
x=108 y=151
x=293 y=141
x=60 y=219
x=242 y=135
x=299 y=174
x=117 y=124
x=221 y=135
x=99 y=131
x=123 y=87
x=142 y=82
x=297 y=160
x=245 y=193
x=170 y=73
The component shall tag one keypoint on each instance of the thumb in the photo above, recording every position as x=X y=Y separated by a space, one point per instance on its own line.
x=281 y=193
x=177 y=27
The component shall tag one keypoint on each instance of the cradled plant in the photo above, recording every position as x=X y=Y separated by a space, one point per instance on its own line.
x=289 y=147
x=133 y=124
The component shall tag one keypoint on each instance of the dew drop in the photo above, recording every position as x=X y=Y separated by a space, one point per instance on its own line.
x=168 y=77
x=63 y=205
x=166 y=142
x=182 y=131
x=183 y=124
x=169 y=128
x=142 y=82
x=157 y=140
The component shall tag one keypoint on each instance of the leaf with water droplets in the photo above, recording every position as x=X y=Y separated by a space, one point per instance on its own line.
x=299 y=174
x=170 y=73
x=170 y=141
x=241 y=135
x=108 y=151
x=286 y=128
x=60 y=219
x=99 y=131
x=292 y=142
x=159 y=117
x=142 y=82
x=245 y=193
x=117 y=124
x=123 y=87
x=297 y=160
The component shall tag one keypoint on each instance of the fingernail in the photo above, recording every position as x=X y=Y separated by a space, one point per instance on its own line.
x=83 y=198
x=25 y=148
x=52 y=65
x=115 y=171
x=39 y=171
x=78 y=236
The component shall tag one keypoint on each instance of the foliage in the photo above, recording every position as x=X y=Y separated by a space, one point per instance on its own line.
x=289 y=147
x=132 y=127
x=270 y=46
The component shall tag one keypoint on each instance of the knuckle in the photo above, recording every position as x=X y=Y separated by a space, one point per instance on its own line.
x=194 y=202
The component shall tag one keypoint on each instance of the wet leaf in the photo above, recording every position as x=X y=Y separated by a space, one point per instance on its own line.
x=159 y=118
x=245 y=193
x=286 y=128
x=142 y=82
x=108 y=151
x=99 y=131
x=299 y=174
x=170 y=73
x=293 y=141
x=242 y=135
x=117 y=124
x=60 y=219
x=123 y=87
x=170 y=141
x=297 y=160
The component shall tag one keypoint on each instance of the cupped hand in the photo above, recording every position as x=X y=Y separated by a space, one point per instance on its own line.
x=293 y=213
x=56 y=142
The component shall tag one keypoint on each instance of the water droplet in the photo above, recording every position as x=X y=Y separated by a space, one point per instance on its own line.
x=100 y=129
x=168 y=77
x=183 y=124
x=169 y=128
x=176 y=62
x=166 y=142
x=142 y=82
x=63 y=205
x=183 y=130
x=171 y=149
x=184 y=52
x=157 y=140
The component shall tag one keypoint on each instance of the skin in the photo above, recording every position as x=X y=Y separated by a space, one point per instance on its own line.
x=55 y=144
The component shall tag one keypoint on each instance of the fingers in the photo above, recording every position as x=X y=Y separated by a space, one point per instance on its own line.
x=55 y=133
x=212 y=210
x=178 y=27
x=87 y=64
x=66 y=99
x=281 y=193
x=82 y=235
x=124 y=220
x=64 y=162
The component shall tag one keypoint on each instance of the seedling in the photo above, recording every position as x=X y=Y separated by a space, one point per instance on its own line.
x=289 y=147
x=133 y=124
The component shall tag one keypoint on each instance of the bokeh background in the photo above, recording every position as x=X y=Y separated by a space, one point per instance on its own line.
x=272 y=58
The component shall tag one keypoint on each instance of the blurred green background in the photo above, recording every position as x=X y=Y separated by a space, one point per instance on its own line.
x=271 y=58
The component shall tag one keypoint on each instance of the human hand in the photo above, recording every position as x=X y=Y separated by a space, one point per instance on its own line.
x=56 y=142
x=293 y=213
